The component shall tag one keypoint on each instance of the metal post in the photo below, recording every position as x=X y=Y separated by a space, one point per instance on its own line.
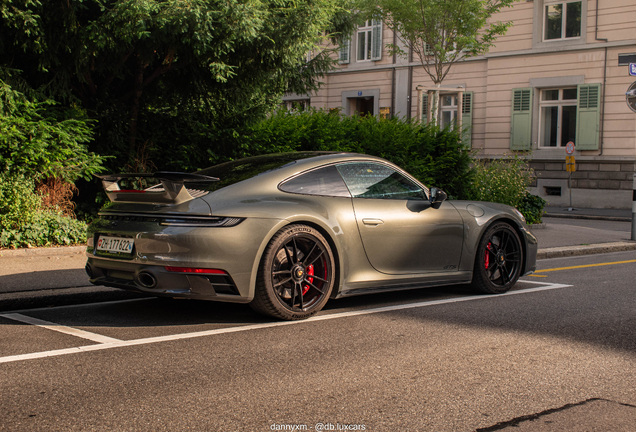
x=634 y=209
x=570 y=188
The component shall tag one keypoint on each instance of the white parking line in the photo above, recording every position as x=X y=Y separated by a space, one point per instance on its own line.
x=60 y=328
x=117 y=343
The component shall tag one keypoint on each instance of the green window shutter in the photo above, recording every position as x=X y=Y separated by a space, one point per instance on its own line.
x=521 y=119
x=467 y=118
x=376 y=40
x=424 y=108
x=344 y=51
x=588 y=116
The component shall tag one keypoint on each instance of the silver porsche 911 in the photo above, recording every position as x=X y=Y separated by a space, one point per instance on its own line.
x=287 y=232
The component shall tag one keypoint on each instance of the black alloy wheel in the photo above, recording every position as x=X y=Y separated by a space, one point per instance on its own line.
x=499 y=260
x=296 y=274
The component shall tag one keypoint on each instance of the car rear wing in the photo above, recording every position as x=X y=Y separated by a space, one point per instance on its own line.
x=171 y=190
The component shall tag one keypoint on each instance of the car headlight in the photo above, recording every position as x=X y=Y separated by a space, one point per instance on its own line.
x=518 y=213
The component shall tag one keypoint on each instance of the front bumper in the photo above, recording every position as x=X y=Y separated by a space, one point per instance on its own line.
x=532 y=246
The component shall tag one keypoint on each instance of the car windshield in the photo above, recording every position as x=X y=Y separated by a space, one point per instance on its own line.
x=236 y=171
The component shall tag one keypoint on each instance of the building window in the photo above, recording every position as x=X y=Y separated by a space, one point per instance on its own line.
x=447 y=110
x=298 y=105
x=562 y=20
x=365 y=33
x=558 y=117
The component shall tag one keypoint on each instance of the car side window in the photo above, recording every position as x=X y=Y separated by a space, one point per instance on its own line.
x=370 y=180
x=323 y=181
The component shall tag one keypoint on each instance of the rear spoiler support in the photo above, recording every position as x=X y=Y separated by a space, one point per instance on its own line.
x=173 y=191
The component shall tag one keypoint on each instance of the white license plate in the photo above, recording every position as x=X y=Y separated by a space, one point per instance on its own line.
x=115 y=244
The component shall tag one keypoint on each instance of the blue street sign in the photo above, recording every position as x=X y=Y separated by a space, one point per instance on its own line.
x=360 y=93
x=632 y=69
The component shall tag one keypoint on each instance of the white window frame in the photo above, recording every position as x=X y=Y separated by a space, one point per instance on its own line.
x=560 y=103
x=367 y=30
x=563 y=20
x=449 y=108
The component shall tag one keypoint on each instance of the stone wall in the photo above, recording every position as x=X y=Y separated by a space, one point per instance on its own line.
x=595 y=184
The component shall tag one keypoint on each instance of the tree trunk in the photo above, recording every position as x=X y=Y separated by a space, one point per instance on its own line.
x=435 y=105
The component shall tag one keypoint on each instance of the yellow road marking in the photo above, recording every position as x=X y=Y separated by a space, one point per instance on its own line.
x=584 y=266
x=534 y=275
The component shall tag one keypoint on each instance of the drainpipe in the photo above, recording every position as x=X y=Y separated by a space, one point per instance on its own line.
x=410 y=84
x=604 y=81
x=393 y=80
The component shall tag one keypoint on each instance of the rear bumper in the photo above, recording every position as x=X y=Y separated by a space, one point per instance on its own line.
x=235 y=250
x=156 y=280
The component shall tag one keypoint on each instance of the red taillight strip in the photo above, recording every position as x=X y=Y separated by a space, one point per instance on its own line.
x=195 y=270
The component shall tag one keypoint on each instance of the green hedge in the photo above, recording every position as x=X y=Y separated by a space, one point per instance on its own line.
x=434 y=156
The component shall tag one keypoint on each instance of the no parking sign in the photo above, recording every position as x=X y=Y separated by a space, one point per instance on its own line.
x=570 y=163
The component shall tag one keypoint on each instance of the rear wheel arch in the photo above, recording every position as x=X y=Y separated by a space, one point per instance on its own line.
x=287 y=287
x=335 y=250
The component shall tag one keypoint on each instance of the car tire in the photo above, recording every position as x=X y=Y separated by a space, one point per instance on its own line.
x=296 y=274
x=498 y=261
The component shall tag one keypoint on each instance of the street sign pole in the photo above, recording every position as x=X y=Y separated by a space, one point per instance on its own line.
x=570 y=166
x=570 y=187
x=634 y=209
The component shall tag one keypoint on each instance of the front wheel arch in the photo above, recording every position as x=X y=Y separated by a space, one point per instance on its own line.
x=518 y=229
x=499 y=258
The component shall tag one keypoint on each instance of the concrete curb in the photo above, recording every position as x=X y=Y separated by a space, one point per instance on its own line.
x=565 y=251
x=62 y=250
x=541 y=225
x=591 y=217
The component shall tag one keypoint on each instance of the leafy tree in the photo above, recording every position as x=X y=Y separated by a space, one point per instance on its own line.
x=191 y=67
x=441 y=32
x=40 y=140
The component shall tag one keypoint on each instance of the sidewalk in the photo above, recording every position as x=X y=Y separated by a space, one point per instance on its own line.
x=624 y=215
x=43 y=276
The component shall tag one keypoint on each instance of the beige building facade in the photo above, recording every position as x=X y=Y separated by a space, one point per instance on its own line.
x=560 y=74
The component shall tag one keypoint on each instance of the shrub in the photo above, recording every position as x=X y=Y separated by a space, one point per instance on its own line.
x=506 y=181
x=19 y=203
x=532 y=208
x=25 y=223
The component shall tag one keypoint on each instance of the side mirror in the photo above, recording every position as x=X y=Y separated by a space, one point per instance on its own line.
x=437 y=197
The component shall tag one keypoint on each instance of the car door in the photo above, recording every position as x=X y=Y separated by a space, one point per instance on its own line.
x=400 y=231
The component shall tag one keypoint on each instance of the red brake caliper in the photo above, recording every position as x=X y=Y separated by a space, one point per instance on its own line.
x=487 y=257
x=309 y=271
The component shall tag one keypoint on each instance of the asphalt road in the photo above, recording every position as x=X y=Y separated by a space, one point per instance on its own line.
x=558 y=353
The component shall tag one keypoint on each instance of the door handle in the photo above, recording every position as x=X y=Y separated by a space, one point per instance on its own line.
x=372 y=222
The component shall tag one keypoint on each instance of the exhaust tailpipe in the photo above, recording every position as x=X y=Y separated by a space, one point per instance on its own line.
x=146 y=279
